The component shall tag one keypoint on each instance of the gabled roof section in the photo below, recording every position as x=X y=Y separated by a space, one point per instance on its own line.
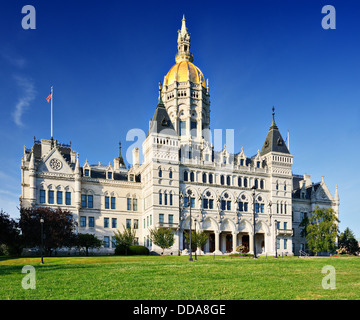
x=161 y=122
x=274 y=141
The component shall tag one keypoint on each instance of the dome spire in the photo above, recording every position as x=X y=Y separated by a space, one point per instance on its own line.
x=183 y=43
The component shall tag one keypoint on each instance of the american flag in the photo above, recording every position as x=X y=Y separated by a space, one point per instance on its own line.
x=49 y=97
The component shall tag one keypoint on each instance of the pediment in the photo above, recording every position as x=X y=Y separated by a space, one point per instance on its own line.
x=54 y=162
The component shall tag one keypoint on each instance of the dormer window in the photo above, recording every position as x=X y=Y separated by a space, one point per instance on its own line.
x=242 y=162
x=109 y=175
x=257 y=164
x=87 y=173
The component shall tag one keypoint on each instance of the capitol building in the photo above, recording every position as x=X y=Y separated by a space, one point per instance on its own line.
x=236 y=199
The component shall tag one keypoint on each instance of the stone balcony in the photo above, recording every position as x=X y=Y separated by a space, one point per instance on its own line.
x=172 y=225
x=284 y=232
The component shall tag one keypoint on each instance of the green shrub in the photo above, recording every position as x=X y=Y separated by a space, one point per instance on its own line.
x=138 y=250
x=120 y=250
x=131 y=250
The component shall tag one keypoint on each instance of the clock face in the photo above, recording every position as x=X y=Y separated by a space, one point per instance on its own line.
x=55 y=164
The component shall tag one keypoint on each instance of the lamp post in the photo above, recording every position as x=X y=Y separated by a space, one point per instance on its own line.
x=275 y=225
x=253 y=194
x=189 y=192
x=270 y=212
x=42 y=239
x=195 y=240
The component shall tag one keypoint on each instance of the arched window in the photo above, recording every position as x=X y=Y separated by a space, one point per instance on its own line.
x=222 y=180
x=228 y=180
x=208 y=201
x=204 y=177
x=160 y=173
x=186 y=176
x=210 y=178
x=261 y=184
x=256 y=183
x=239 y=181
x=192 y=176
x=245 y=182
x=170 y=174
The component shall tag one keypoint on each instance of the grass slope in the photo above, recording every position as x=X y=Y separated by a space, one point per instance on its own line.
x=175 y=278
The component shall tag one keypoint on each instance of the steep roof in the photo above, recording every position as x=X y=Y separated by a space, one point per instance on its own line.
x=161 y=122
x=274 y=141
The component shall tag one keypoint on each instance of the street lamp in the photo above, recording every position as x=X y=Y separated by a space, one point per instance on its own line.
x=275 y=225
x=195 y=240
x=253 y=194
x=189 y=192
x=42 y=239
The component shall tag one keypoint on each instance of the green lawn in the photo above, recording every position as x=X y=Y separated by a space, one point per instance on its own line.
x=173 y=277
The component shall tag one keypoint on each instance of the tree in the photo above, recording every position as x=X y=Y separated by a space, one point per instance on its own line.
x=87 y=240
x=347 y=242
x=198 y=239
x=9 y=234
x=321 y=231
x=125 y=239
x=162 y=237
x=58 y=231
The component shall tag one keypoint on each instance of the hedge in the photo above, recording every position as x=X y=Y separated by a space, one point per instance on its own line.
x=132 y=250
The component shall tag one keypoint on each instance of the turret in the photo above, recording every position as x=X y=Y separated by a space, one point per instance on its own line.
x=77 y=174
x=32 y=179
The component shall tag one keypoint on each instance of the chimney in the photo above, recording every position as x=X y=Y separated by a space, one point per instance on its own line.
x=307 y=178
x=135 y=156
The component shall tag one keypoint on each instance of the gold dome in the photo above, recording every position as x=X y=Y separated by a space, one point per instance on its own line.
x=184 y=71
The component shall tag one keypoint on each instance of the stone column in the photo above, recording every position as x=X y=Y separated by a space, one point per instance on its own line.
x=223 y=242
x=251 y=243
x=234 y=238
x=217 y=242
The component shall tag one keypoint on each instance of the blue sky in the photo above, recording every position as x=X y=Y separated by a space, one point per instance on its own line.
x=105 y=60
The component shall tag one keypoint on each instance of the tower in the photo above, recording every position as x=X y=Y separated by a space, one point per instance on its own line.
x=186 y=98
x=279 y=162
x=160 y=173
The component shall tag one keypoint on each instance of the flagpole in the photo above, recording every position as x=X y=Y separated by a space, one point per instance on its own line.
x=52 y=98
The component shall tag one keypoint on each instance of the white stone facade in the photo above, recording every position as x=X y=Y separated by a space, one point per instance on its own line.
x=178 y=159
